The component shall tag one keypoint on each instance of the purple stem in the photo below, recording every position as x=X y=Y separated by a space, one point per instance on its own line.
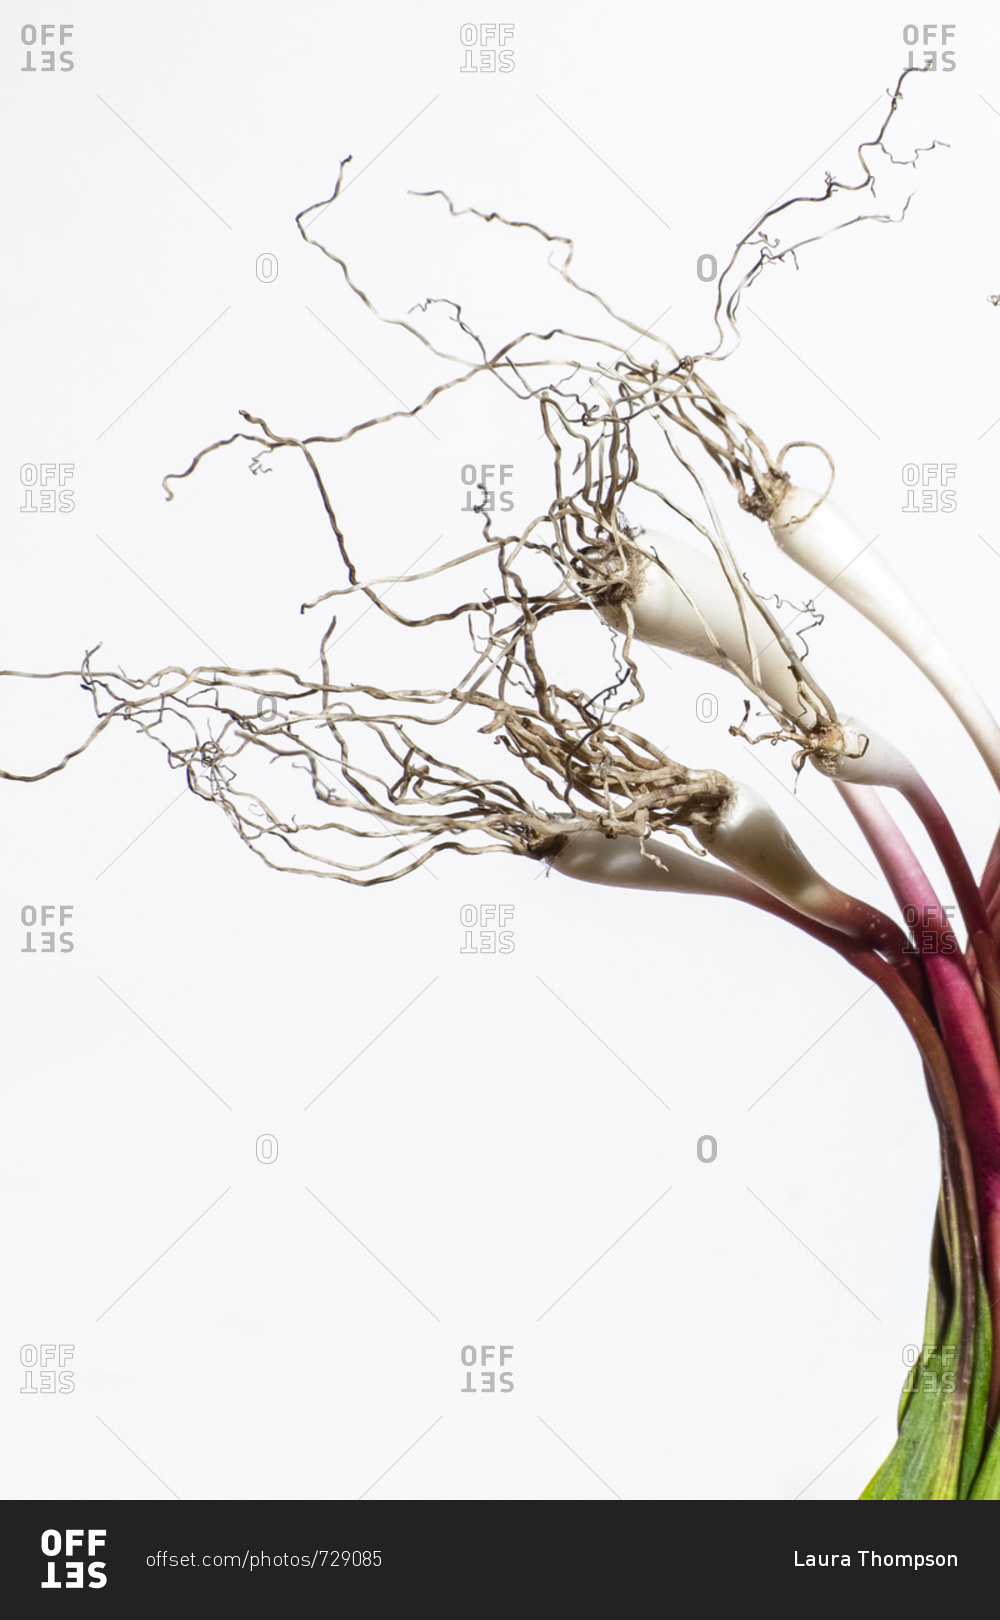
x=952 y=857
x=963 y=1026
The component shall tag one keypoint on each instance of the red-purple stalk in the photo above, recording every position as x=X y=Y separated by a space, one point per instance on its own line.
x=965 y=1031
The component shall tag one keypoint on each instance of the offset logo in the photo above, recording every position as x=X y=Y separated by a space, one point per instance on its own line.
x=47 y=486
x=48 y=36
x=484 y=1380
x=485 y=500
x=46 y=915
x=495 y=936
x=63 y=1568
x=495 y=53
x=933 y=481
x=45 y=1369
x=932 y=34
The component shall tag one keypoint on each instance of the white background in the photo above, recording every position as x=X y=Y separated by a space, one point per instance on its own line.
x=506 y=1141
